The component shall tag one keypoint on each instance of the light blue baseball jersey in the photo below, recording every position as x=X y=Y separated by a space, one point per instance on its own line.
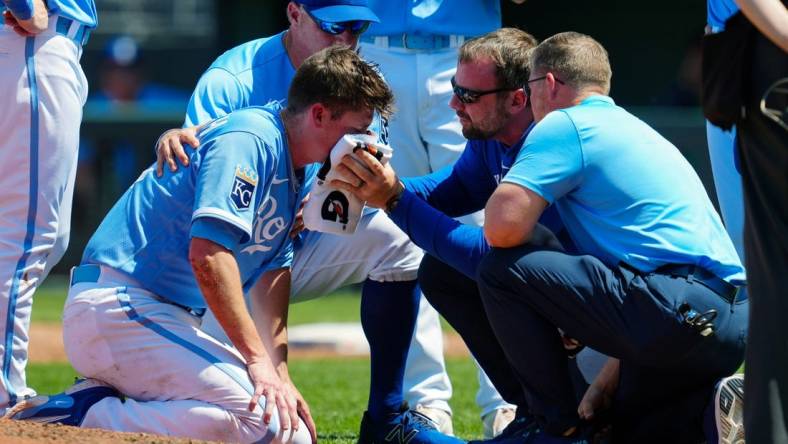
x=442 y=17
x=251 y=74
x=624 y=193
x=718 y=12
x=240 y=191
x=83 y=11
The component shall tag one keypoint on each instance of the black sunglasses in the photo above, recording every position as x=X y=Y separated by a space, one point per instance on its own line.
x=528 y=88
x=356 y=27
x=467 y=96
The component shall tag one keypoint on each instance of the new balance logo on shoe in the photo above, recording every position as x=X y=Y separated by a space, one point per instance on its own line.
x=399 y=435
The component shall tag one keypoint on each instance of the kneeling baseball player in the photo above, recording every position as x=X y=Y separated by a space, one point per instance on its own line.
x=172 y=247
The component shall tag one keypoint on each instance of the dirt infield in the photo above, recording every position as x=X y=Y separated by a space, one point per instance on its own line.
x=13 y=432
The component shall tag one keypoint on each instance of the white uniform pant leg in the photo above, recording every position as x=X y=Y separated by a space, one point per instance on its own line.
x=727 y=182
x=44 y=89
x=179 y=381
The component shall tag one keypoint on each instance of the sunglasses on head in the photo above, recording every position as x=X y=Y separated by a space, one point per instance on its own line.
x=467 y=96
x=356 y=27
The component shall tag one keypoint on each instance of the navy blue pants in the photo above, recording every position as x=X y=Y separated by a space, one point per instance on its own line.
x=668 y=369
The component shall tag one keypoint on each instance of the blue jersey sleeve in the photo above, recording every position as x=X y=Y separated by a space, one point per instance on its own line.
x=217 y=94
x=459 y=189
x=229 y=183
x=22 y=9
x=551 y=162
x=459 y=245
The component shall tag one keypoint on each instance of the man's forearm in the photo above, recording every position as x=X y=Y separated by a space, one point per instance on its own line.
x=219 y=278
x=770 y=17
x=459 y=245
x=270 y=303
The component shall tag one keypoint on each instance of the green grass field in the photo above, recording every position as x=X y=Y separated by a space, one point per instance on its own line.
x=336 y=388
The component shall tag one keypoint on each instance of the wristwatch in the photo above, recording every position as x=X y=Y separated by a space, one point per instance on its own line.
x=393 y=201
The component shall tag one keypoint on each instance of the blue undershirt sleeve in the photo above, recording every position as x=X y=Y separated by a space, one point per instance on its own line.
x=458 y=245
x=22 y=9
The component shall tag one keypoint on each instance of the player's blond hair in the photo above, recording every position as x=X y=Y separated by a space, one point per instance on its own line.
x=508 y=48
x=576 y=59
x=342 y=81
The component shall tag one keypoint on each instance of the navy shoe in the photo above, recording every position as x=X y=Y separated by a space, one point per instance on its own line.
x=724 y=419
x=403 y=427
x=69 y=407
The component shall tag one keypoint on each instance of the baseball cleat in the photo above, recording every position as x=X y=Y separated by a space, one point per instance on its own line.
x=729 y=411
x=69 y=407
x=403 y=427
x=496 y=421
x=519 y=430
x=440 y=417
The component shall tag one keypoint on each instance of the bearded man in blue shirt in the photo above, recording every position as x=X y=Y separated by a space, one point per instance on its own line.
x=652 y=278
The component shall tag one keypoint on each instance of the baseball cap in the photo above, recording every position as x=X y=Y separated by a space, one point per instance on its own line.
x=340 y=10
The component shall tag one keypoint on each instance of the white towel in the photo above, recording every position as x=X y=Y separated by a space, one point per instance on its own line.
x=331 y=210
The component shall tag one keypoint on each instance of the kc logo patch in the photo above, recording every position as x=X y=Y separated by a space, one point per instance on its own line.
x=244 y=184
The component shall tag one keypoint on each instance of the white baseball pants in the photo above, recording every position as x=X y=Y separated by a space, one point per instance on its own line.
x=43 y=90
x=179 y=380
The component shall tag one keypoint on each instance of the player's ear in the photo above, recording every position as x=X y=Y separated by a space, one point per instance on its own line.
x=319 y=115
x=293 y=12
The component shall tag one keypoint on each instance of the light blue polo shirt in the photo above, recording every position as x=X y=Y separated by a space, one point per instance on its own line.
x=623 y=191
x=469 y=18
x=718 y=12
x=251 y=74
x=83 y=11
x=239 y=191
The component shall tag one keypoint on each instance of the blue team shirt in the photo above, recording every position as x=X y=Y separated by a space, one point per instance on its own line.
x=83 y=11
x=718 y=12
x=623 y=192
x=239 y=191
x=429 y=203
x=251 y=74
x=443 y=17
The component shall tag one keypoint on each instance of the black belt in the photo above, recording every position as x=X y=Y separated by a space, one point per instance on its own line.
x=724 y=289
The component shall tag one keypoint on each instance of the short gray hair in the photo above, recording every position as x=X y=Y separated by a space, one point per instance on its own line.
x=576 y=59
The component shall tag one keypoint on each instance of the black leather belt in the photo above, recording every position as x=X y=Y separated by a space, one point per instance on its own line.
x=724 y=289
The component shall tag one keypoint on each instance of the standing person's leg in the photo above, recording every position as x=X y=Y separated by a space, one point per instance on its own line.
x=727 y=181
x=528 y=294
x=426 y=381
x=763 y=147
x=40 y=125
x=177 y=380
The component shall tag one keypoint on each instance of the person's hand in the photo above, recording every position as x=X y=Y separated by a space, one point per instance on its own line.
x=34 y=25
x=594 y=400
x=298 y=222
x=369 y=180
x=301 y=406
x=267 y=383
x=170 y=145
x=599 y=395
